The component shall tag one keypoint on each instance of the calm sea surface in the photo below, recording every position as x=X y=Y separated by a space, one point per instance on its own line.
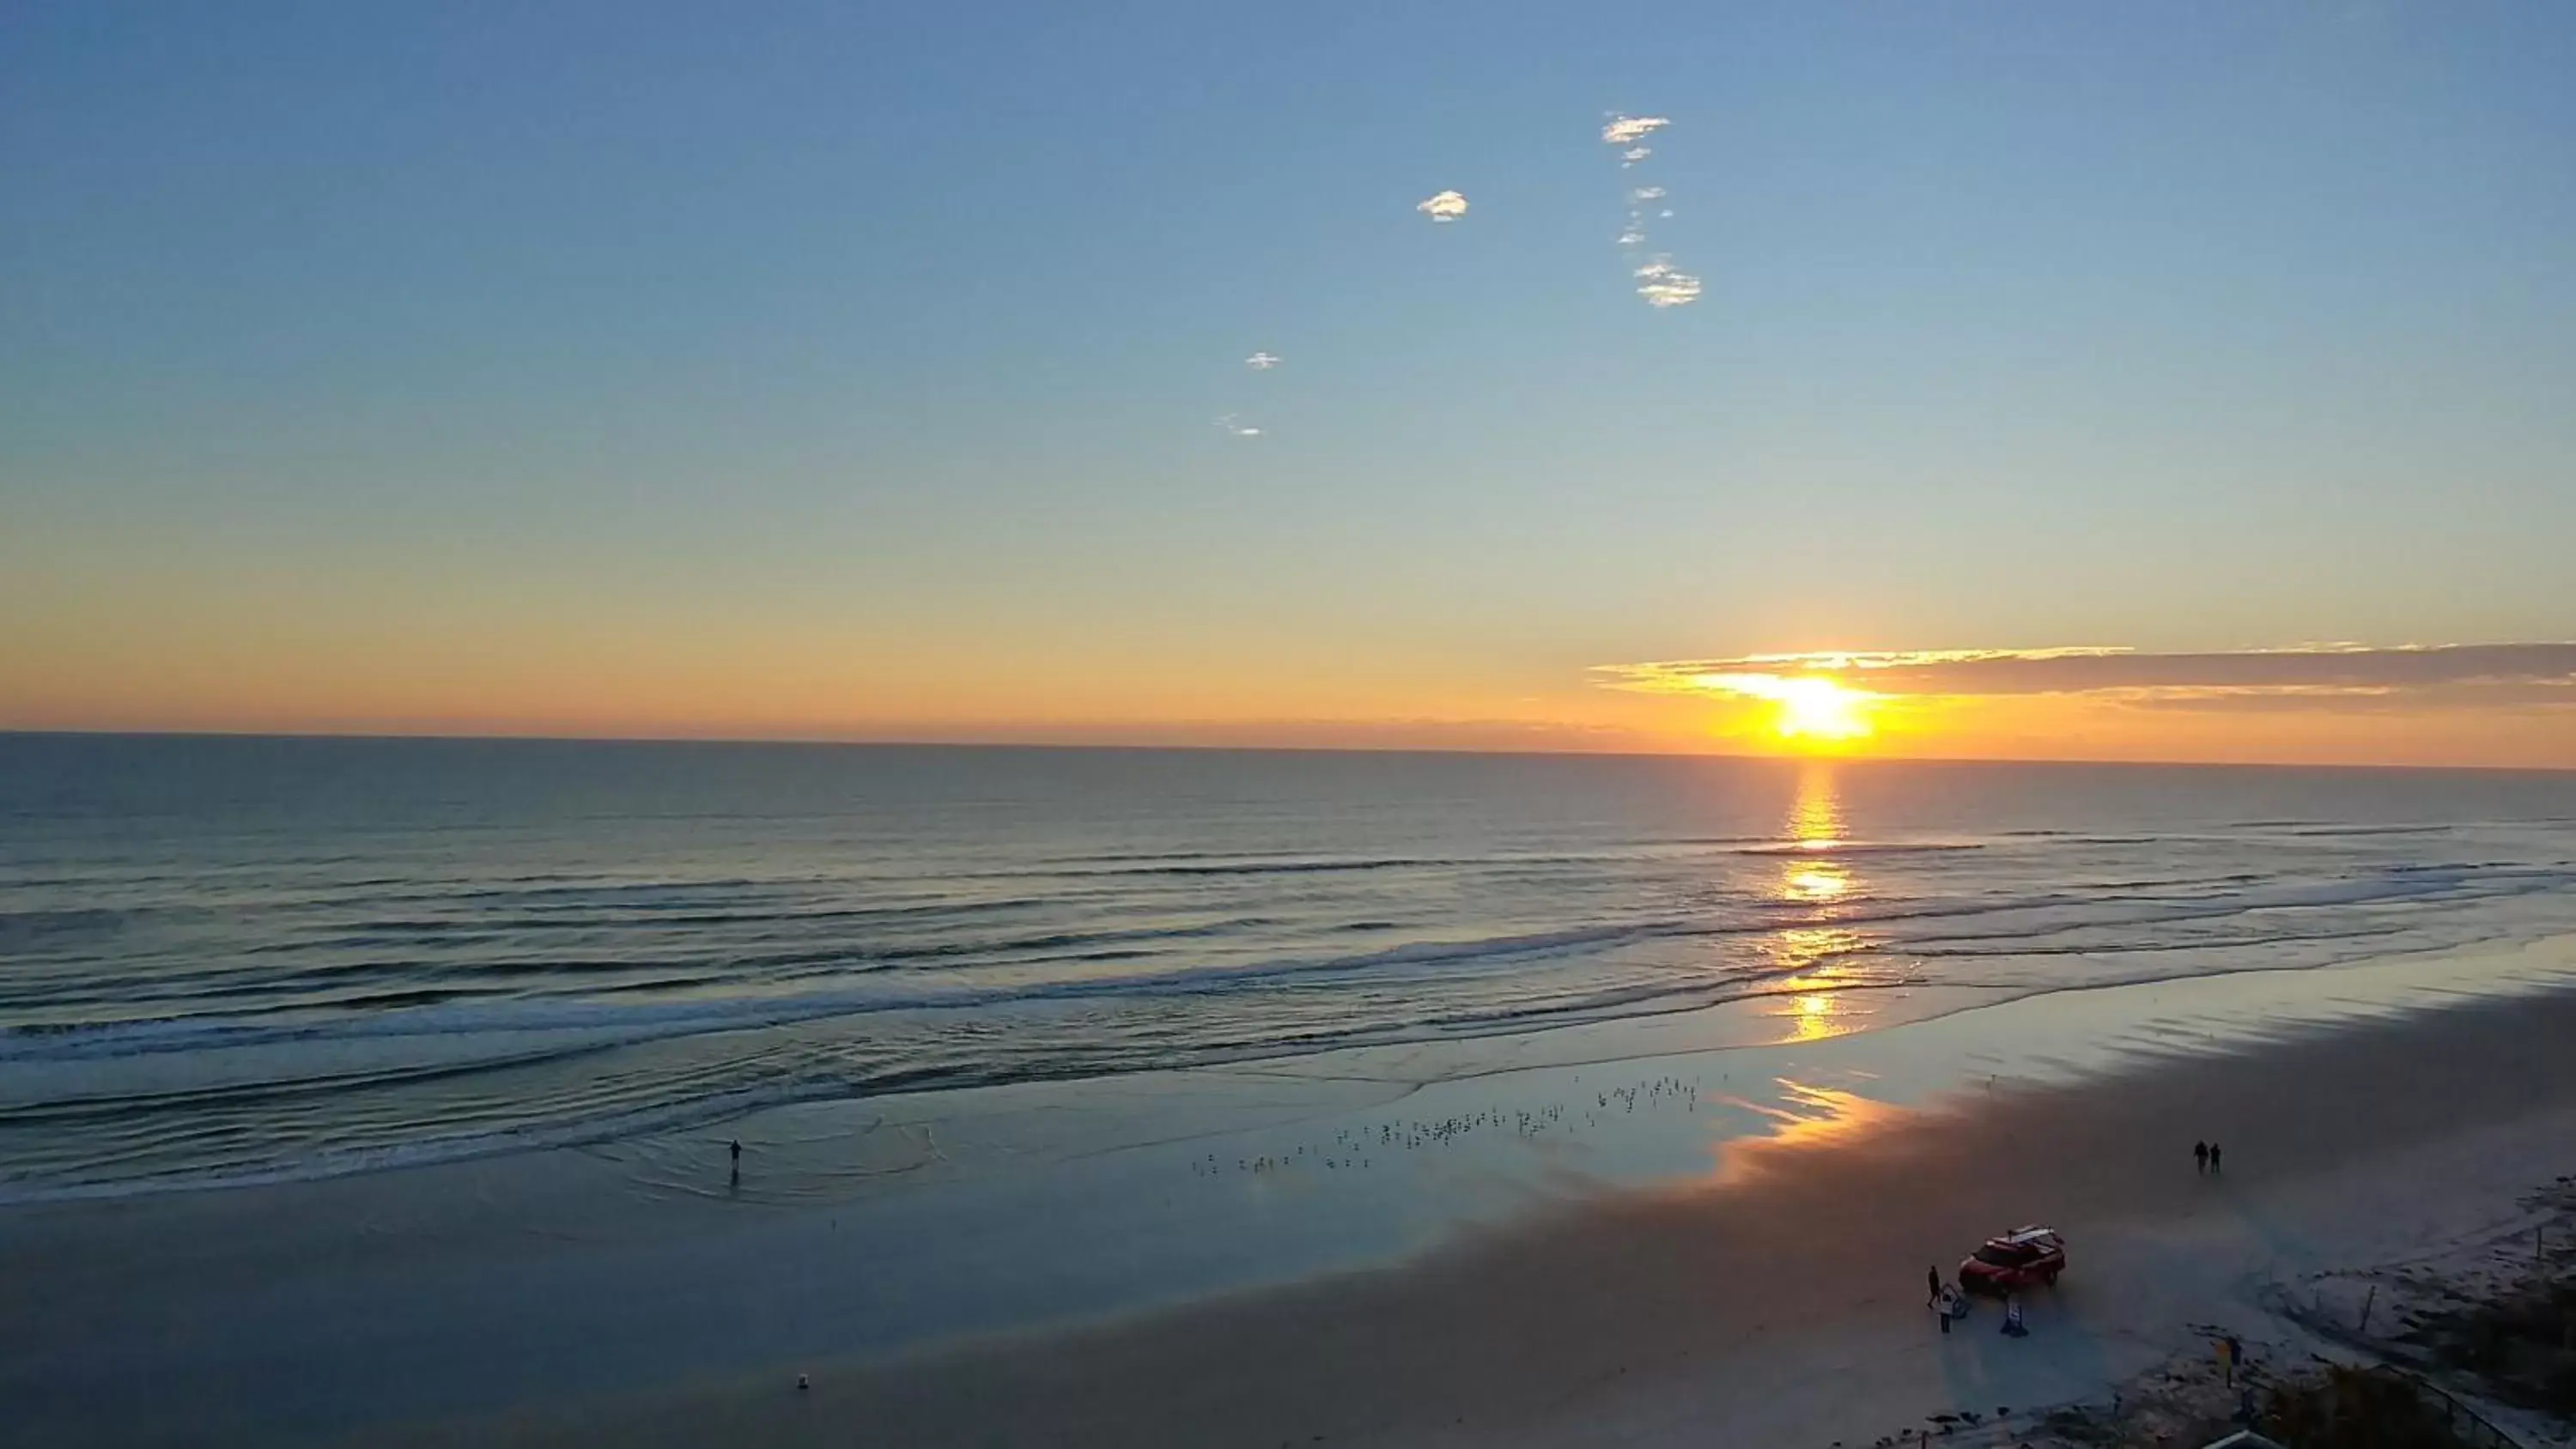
x=251 y=959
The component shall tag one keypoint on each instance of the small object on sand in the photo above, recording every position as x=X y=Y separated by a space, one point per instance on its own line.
x=803 y=1383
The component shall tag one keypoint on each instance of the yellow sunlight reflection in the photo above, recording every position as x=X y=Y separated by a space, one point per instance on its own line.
x=1821 y=880
x=1810 y=1117
x=1816 y=816
x=1806 y=955
x=1816 y=1016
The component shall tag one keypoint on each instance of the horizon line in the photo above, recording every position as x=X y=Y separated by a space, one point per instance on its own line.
x=836 y=742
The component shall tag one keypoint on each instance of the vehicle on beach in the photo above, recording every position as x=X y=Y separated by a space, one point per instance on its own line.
x=2014 y=1260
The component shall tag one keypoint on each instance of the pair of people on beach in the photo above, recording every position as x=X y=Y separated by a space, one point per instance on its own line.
x=2206 y=1155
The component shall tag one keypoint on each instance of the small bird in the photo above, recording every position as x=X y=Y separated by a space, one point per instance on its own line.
x=803 y=1383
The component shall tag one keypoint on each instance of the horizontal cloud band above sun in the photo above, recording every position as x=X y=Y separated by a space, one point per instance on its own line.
x=2313 y=674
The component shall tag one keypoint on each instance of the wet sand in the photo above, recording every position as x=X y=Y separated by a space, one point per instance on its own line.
x=1780 y=1297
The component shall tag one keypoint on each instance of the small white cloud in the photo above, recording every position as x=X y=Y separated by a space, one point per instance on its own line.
x=1447 y=206
x=1635 y=154
x=1632 y=237
x=1629 y=130
x=1665 y=213
x=1663 y=285
x=1234 y=423
x=1647 y=193
x=1261 y=361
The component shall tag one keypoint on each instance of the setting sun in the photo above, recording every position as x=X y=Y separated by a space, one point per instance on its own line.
x=1819 y=709
x=1812 y=710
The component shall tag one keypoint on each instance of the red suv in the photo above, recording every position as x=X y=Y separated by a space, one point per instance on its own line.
x=2015 y=1260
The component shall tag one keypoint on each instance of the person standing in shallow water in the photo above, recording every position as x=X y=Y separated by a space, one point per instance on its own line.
x=2213 y=1157
x=2200 y=1156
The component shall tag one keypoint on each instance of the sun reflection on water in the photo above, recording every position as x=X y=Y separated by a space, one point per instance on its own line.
x=1815 y=1017
x=1823 y=881
x=1808 y=956
x=1816 y=816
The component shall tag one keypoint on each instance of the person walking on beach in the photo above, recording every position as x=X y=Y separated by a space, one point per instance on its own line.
x=2200 y=1156
x=2213 y=1157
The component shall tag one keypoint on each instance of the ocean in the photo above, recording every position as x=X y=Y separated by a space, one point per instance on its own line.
x=227 y=960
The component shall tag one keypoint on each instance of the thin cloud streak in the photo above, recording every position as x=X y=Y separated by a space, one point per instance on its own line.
x=2307 y=676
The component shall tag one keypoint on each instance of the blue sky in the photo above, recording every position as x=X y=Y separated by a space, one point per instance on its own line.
x=894 y=337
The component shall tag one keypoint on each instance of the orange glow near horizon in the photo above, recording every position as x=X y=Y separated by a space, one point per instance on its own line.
x=192 y=653
x=2319 y=704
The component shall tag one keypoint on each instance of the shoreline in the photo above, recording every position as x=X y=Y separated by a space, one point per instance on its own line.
x=1728 y=1023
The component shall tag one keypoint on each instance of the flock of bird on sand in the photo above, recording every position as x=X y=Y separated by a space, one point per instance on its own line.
x=1358 y=1148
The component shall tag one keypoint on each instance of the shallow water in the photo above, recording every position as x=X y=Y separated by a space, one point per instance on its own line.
x=246 y=959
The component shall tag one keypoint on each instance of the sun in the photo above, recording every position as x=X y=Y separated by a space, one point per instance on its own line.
x=1820 y=711
x=1810 y=711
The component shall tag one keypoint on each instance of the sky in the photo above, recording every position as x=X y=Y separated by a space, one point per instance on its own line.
x=1322 y=375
